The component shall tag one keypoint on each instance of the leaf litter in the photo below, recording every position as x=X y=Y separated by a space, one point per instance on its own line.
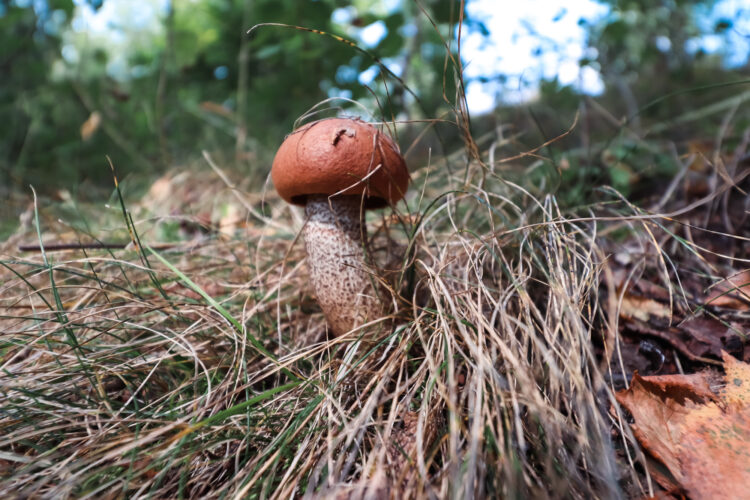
x=513 y=340
x=700 y=431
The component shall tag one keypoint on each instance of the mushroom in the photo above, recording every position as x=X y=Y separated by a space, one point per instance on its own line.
x=336 y=168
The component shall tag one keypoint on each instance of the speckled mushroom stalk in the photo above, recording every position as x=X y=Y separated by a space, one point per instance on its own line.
x=337 y=168
x=335 y=256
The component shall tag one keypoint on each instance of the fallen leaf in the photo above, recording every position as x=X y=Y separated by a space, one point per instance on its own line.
x=706 y=336
x=732 y=292
x=641 y=308
x=160 y=190
x=91 y=125
x=701 y=435
x=217 y=109
x=700 y=339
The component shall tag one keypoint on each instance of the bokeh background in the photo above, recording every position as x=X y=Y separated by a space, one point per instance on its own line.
x=152 y=83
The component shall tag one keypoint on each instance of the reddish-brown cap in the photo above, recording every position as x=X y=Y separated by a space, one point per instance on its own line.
x=340 y=155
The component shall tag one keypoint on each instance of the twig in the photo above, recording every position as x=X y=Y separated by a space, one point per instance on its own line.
x=53 y=247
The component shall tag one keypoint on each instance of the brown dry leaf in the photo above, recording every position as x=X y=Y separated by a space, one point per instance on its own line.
x=217 y=109
x=160 y=190
x=732 y=292
x=91 y=125
x=641 y=308
x=707 y=336
x=702 y=437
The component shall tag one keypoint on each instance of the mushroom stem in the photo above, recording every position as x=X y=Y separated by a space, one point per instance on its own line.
x=335 y=255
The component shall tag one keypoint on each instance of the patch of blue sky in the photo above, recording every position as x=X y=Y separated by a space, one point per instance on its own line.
x=735 y=44
x=538 y=39
x=372 y=34
x=528 y=41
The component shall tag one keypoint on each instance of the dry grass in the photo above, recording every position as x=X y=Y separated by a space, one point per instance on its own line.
x=203 y=370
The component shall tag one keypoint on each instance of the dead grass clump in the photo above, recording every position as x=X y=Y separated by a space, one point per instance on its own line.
x=203 y=368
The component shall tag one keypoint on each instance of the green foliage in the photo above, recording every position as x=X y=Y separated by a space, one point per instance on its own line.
x=645 y=50
x=628 y=38
x=194 y=80
x=198 y=82
x=654 y=72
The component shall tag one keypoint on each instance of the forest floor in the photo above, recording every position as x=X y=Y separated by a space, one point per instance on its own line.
x=171 y=346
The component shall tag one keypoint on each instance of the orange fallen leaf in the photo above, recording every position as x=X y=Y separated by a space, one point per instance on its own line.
x=702 y=436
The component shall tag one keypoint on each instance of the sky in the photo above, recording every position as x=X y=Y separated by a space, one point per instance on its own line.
x=510 y=49
x=517 y=28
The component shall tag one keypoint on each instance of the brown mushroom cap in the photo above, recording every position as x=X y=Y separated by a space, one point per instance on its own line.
x=334 y=155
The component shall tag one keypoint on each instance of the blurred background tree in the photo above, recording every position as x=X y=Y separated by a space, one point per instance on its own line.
x=181 y=76
x=646 y=49
x=165 y=79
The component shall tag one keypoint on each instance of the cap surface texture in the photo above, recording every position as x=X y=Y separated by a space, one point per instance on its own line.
x=340 y=155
